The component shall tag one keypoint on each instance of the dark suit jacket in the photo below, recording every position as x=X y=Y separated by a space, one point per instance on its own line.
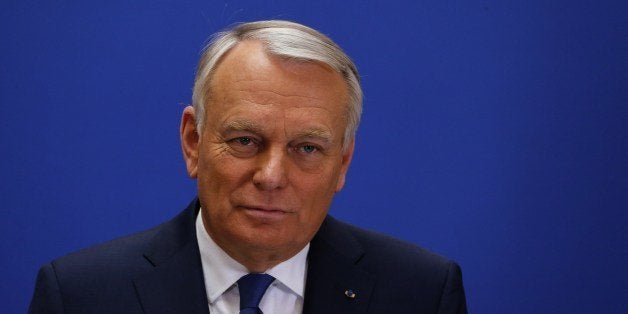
x=159 y=271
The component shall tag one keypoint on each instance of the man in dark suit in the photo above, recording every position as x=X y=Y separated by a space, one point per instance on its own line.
x=269 y=139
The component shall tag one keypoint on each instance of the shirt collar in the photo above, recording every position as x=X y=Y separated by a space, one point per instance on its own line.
x=221 y=271
x=291 y=273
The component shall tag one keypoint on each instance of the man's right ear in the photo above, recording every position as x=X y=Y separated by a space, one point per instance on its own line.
x=189 y=140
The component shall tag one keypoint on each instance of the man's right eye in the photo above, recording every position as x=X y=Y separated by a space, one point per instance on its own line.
x=243 y=146
x=243 y=140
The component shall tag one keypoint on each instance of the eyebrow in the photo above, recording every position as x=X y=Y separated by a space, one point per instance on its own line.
x=242 y=125
x=313 y=133
x=316 y=133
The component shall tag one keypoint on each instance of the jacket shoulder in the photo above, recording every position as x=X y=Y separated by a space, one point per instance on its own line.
x=128 y=250
x=111 y=253
x=101 y=278
x=383 y=251
x=405 y=275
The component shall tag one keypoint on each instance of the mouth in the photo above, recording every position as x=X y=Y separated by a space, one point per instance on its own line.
x=264 y=213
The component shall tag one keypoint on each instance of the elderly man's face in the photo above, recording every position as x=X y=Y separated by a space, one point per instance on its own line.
x=269 y=159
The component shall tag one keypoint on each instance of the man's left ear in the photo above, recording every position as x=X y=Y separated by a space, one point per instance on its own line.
x=344 y=167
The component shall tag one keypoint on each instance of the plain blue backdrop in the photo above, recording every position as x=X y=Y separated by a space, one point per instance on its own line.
x=494 y=132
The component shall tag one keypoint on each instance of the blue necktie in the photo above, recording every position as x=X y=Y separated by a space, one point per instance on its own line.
x=252 y=288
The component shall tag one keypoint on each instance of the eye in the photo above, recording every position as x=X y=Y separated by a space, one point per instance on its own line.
x=243 y=146
x=308 y=149
x=243 y=140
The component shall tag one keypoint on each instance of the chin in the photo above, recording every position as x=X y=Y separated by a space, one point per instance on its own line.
x=266 y=240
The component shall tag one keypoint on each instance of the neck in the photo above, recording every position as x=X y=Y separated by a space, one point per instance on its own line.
x=255 y=258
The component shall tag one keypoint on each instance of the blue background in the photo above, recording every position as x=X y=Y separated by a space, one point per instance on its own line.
x=494 y=132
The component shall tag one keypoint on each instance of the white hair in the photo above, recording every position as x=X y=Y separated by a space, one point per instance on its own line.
x=286 y=40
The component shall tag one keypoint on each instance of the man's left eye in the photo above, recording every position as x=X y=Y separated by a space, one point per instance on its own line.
x=308 y=149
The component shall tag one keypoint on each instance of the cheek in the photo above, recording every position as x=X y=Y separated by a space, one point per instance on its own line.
x=218 y=175
x=317 y=191
x=216 y=162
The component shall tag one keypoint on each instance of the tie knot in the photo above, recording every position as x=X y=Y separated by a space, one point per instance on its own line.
x=252 y=288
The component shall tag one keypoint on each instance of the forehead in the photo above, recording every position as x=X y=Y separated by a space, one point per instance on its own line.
x=248 y=68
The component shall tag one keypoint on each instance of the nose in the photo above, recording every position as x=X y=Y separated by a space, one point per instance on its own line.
x=271 y=171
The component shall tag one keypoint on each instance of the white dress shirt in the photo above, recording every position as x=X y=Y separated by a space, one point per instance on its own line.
x=221 y=273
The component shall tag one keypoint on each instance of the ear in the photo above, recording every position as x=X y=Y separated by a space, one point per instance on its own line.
x=344 y=166
x=189 y=140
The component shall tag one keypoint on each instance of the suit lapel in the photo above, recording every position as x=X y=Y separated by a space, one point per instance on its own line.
x=175 y=284
x=335 y=282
